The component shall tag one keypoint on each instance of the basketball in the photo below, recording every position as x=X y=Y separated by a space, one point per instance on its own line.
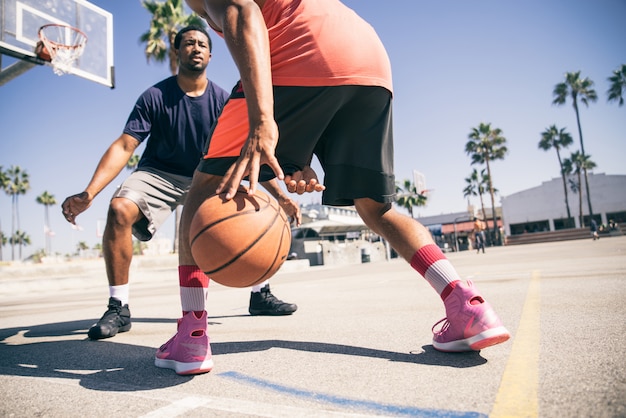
x=42 y=52
x=240 y=242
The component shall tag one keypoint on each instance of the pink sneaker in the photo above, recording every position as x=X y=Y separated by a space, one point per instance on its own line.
x=189 y=350
x=471 y=323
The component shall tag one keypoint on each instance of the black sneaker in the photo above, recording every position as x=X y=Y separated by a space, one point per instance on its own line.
x=115 y=319
x=264 y=303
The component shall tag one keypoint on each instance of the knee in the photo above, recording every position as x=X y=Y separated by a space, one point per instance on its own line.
x=122 y=212
x=372 y=212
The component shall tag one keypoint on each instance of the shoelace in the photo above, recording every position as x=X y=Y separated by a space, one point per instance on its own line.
x=443 y=328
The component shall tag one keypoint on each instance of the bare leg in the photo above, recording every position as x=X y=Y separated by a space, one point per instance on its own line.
x=470 y=323
x=405 y=234
x=117 y=242
x=202 y=186
x=117 y=246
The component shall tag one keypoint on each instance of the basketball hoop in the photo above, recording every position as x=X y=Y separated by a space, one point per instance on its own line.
x=61 y=45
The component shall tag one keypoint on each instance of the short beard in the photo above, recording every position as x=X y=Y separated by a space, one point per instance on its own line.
x=194 y=68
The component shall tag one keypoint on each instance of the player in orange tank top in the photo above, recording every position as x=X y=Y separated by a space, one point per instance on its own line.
x=315 y=79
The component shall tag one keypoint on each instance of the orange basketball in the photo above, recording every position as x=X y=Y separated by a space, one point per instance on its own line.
x=240 y=242
x=42 y=52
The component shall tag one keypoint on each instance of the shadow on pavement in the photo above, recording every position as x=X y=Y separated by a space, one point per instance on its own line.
x=110 y=366
x=429 y=356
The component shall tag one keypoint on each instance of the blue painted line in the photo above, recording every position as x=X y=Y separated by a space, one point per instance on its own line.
x=351 y=403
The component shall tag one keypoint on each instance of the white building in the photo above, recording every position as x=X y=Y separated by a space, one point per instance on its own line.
x=542 y=208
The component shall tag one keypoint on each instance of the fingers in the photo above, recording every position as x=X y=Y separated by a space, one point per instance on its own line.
x=68 y=213
x=296 y=184
x=298 y=215
x=74 y=206
x=231 y=180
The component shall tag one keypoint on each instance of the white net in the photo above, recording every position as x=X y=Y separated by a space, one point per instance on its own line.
x=65 y=45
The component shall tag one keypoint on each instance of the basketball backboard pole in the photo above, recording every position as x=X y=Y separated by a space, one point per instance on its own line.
x=17 y=68
x=14 y=70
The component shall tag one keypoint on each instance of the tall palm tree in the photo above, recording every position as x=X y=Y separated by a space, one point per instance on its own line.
x=133 y=161
x=577 y=89
x=408 y=197
x=618 y=85
x=4 y=182
x=556 y=138
x=477 y=185
x=47 y=200
x=168 y=17
x=18 y=184
x=81 y=246
x=486 y=145
x=3 y=242
x=578 y=164
x=19 y=238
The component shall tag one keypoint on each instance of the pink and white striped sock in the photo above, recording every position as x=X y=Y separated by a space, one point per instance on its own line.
x=430 y=262
x=194 y=285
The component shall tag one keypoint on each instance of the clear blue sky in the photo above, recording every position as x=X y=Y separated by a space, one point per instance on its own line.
x=455 y=64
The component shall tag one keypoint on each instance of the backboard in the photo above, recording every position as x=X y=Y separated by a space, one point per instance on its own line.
x=419 y=180
x=20 y=21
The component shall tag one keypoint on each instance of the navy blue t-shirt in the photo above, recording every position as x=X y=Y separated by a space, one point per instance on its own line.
x=176 y=125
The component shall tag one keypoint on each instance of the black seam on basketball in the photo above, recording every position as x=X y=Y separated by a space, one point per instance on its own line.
x=225 y=219
x=277 y=251
x=245 y=250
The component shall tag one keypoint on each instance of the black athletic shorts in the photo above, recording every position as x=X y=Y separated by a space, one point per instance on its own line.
x=348 y=128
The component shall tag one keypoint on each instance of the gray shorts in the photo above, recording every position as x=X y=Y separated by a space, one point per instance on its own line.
x=157 y=194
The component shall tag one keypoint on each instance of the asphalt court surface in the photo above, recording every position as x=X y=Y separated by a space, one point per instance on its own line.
x=359 y=344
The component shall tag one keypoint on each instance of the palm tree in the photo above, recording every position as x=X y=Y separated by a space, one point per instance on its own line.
x=578 y=89
x=486 y=145
x=17 y=184
x=3 y=242
x=19 y=238
x=4 y=182
x=168 y=18
x=47 y=200
x=556 y=138
x=81 y=246
x=133 y=161
x=578 y=164
x=618 y=85
x=477 y=185
x=407 y=196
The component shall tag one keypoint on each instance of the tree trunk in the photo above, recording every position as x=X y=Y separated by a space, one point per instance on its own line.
x=582 y=150
x=580 y=201
x=588 y=196
x=564 y=185
x=493 y=204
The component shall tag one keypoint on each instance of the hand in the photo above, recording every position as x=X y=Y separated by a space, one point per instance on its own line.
x=291 y=208
x=75 y=205
x=304 y=181
x=258 y=150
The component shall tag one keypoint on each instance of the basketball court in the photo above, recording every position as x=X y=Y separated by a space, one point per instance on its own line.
x=359 y=344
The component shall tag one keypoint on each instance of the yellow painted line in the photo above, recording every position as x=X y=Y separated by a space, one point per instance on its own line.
x=517 y=396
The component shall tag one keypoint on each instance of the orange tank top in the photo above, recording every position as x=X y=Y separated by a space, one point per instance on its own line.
x=323 y=43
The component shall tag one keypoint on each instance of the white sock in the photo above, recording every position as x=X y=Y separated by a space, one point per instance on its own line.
x=193 y=298
x=120 y=293
x=257 y=287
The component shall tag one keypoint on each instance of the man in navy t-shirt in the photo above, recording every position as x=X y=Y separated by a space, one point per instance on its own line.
x=174 y=117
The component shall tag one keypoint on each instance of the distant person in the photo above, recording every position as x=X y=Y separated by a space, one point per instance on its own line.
x=315 y=78
x=175 y=117
x=479 y=236
x=594 y=230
